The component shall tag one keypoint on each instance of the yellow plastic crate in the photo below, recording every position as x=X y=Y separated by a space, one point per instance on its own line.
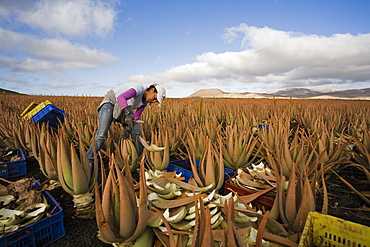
x=326 y=230
x=29 y=108
x=34 y=108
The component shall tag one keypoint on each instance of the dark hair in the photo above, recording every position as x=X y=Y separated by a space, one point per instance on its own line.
x=150 y=87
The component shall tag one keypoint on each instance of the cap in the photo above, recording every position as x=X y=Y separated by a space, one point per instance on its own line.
x=161 y=93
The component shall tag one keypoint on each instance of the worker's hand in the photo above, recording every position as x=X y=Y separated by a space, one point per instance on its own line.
x=127 y=117
x=126 y=134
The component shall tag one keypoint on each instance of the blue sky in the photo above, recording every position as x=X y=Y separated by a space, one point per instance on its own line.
x=82 y=47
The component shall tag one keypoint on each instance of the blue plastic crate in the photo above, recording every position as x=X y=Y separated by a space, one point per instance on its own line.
x=41 y=233
x=15 y=168
x=50 y=115
x=184 y=167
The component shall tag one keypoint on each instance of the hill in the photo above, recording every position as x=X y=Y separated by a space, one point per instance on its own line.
x=308 y=93
x=9 y=92
x=301 y=93
x=212 y=92
x=217 y=93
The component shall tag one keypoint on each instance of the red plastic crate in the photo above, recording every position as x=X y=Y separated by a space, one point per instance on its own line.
x=261 y=202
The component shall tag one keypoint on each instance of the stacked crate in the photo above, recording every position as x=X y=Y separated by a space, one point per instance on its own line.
x=44 y=112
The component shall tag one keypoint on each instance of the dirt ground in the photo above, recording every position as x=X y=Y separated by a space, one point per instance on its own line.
x=343 y=202
x=80 y=232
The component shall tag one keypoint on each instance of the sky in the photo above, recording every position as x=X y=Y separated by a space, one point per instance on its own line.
x=87 y=47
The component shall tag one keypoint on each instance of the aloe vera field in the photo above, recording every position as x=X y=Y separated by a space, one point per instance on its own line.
x=302 y=155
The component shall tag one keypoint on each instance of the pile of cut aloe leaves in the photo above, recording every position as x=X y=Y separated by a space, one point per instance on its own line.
x=10 y=156
x=21 y=204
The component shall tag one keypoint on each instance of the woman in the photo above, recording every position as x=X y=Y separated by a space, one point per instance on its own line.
x=118 y=105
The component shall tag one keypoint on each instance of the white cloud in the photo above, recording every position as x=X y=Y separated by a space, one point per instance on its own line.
x=36 y=36
x=277 y=58
x=11 y=81
x=48 y=54
x=59 y=85
x=6 y=61
x=9 y=8
x=72 y=18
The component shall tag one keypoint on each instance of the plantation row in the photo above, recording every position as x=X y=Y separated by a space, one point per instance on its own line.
x=300 y=142
x=189 y=122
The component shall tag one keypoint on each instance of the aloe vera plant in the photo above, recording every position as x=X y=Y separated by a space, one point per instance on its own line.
x=158 y=155
x=194 y=142
x=331 y=147
x=76 y=175
x=126 y=153
x=121 y=214
x=239 y=148
x=211 y=168
x=293 y=204
x=174 y=131
x=361 y=141
x=45 y=151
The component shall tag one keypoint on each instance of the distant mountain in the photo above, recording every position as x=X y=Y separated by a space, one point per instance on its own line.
x=302 y=93
x=212 y=92
x=9 y=92
x=352 y=93
x=298 y=93
x=308 y=93
x=217 y=93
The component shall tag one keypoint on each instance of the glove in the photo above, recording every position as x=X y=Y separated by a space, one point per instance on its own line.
x=129 y=117
x=127 y=120
x=126 y=134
